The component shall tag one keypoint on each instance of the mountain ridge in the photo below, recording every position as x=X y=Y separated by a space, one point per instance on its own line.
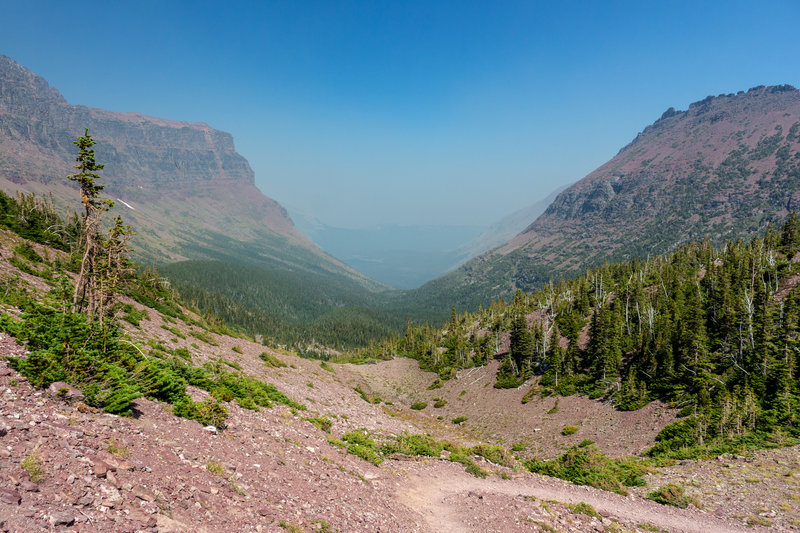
x=722 y=169
x=182 y=185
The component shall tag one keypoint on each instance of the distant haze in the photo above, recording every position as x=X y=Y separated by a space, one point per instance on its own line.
x=407 y=113
x=408 y=256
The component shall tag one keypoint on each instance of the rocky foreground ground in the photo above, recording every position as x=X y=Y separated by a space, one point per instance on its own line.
x=65 y=467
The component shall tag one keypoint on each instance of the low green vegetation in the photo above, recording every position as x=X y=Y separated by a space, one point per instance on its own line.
x=93 y=354
x=419 y=406
x=569 y=430
x=271 y=361
x=362 y=444
x=322 y=422
x=33 y=466
x=583 y=508
x=589 y=466
x=674 y=495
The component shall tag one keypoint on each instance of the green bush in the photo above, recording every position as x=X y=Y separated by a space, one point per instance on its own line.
x=322 y=422
x=459 y=419
x=588 y=466
x=419 y=406
x=584 y=508
x=209 y=412
x=26 y=251
x=494 y=454
x=569 y=430
x=439 y=403
x=674 y=495
x=418 y=445
x=271 y=360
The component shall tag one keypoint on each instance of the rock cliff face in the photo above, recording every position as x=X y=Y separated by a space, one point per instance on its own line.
x=722 y=169
x=181 y=185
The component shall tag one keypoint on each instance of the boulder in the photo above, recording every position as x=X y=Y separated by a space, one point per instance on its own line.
x=64 y=391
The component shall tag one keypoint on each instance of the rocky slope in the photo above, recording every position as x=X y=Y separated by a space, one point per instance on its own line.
x=182 y=186
x=66 y=467
x=722 y=169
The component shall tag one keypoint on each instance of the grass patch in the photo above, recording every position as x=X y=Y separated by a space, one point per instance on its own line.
x=569 y=430
x=419 y=406
x=460 y=419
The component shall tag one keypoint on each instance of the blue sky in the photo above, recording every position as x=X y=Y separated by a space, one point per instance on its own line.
x=407 y=112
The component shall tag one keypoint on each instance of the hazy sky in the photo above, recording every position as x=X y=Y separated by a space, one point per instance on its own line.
x=408 y=112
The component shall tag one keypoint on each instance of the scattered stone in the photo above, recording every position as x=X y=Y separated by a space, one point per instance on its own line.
x=143 y=493
x=65 y=391
x=62 y=519
x=29 y=486
x=10 y=497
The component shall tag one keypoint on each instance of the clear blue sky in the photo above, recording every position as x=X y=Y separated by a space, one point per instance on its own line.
x=408 y=112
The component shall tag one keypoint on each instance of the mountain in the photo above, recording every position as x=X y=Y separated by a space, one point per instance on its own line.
x=506 y=228
x=182 y=186
x=401 y=256
x=225 y=434
x=721 y=170
x=197 y=213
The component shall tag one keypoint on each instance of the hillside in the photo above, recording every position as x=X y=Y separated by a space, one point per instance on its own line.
x=721 y=169
x=192 y=201
x=319 y=453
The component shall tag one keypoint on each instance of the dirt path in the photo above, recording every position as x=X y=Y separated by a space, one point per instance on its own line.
x=453 y=501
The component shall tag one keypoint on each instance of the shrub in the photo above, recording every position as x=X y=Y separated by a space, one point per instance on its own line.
x=584 y=508
x=26 y=251
x=271 y=360
x=494 y=454
x=321 y=422
x=569 y=430
x=437 y=384
x=360 y=445
x=475 y=470
x=674 y=495
x=419 y=406
x=33 y=466
x=459 y=419
x=589 y=466
x=554 y=409
x=209 y=412
x=418 y=445
x=439 y=403
x=519 y=446
x=216 y=468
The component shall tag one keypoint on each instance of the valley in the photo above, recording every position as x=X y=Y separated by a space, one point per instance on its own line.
x=625 y=360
